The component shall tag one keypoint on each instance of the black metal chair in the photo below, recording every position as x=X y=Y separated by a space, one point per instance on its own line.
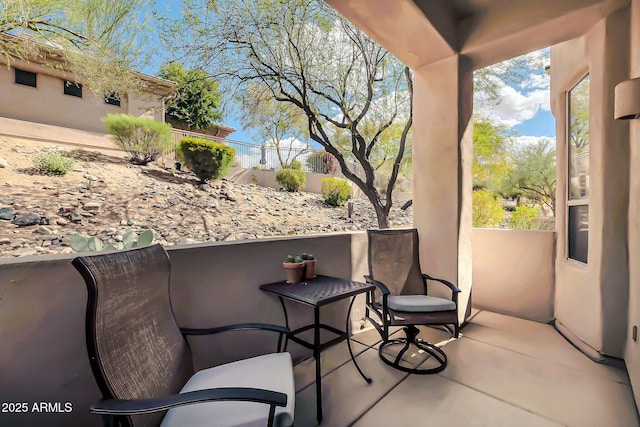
x=142 y=361
x=401 y=299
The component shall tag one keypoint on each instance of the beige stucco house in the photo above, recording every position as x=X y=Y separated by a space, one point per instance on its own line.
x=40 y=101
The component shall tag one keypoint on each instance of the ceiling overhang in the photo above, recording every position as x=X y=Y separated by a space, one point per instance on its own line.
x=421 y=32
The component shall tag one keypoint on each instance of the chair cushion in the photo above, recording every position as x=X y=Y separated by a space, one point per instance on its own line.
x=271 y=372
x=419 y=303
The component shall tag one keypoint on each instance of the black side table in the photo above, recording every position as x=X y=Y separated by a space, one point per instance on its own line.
x=315 y=293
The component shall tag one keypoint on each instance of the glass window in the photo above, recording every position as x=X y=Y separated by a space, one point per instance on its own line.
x=578 y=239
x=26 y=78
x=112 y=98
x=579 y=140
x=578 y=171
x=72 y=88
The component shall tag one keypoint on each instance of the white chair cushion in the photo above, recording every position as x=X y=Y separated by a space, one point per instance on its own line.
x=270 y=372
x=419 y=303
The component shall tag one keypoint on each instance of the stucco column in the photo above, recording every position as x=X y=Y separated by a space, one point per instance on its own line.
x=442 y=157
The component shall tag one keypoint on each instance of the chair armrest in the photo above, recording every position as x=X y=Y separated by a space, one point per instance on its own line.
x=146 y=406
x=383 y=288
x=282 y=331
x=450 y=285
x=239 y=327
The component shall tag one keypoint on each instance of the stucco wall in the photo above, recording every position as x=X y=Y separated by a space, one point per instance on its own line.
x=632 y=350
x=268 y=179
x=591 y=298
x=47 y=103
x=513 y=272
x=42 y=307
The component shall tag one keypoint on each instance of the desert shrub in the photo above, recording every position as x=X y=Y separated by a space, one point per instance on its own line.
x=291 y=179
x=207 y=159
x=523 y=217
x=52 y=163
x=487 y=212
x=143 y=138
x=335 y=191
x=322 y=162
x=293 y=165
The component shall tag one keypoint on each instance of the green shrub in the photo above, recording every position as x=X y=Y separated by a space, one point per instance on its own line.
x=143 y=138
x=293 y=165
x=52 y=163
x=291 y=179
x=335 y=191
x=523 y=217
x=207 y=159
x=487 y=212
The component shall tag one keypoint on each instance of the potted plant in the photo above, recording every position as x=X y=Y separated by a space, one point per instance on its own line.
x=309 y=266
x=294 y=269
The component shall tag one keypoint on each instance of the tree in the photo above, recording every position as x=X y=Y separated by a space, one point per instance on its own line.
x=99 y=41
x=490 y=153
x=275 y=123
x=196 y=101
x=534 y=173
x=309 y=57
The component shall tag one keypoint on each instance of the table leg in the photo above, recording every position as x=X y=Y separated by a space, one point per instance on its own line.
x=316 y=355
x=286 y=321
x=347 y=328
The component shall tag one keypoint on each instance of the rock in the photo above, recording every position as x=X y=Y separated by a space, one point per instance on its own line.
x=27 y=218
x=231 y=196
x=61 y=221
x=7 y=213
x=45 y=230
x=75 y=217
x=5 y=241
x=92 y=206
x=25 y=252
x=3 y=163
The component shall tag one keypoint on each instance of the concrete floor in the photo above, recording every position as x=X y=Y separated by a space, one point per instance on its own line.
x=503 y=371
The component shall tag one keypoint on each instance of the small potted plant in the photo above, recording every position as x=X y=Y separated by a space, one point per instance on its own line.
x=309 y=266
x=294 y=269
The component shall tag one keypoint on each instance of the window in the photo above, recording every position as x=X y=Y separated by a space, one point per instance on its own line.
x=72 y=88
x=112 y=98
x=578 y=171
x=26 y=78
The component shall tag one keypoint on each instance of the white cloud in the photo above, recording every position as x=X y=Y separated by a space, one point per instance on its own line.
x=533 y=140
x=515 y=106
x=537 y=81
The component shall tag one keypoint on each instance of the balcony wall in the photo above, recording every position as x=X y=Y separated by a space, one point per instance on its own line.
x=43 y=354
x=42 y=306
x=513 y=272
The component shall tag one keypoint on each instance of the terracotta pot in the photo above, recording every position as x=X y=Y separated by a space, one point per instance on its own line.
x=309 y=269
x=293 y=271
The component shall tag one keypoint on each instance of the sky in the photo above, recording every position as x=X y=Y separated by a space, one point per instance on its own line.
x=525 y=108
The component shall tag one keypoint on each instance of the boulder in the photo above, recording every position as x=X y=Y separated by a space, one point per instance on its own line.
x=27 y=218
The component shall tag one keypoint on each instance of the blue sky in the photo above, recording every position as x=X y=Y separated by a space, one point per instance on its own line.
x=524 y=108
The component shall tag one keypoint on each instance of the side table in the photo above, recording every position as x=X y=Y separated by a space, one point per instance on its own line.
x=315 y=293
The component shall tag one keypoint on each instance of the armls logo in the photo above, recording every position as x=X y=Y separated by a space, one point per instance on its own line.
x=52 y=407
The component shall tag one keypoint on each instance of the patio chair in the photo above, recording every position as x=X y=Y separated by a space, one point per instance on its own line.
x=400 y=299
x=142 y=361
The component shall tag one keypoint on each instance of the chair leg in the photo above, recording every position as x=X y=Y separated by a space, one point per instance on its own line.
x=434 y=353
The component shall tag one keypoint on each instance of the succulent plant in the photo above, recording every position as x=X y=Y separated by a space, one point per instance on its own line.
x=290 y=258
x=130 y=240
x=307 y=257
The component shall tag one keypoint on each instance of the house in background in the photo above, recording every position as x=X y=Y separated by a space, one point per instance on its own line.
x=43 y=102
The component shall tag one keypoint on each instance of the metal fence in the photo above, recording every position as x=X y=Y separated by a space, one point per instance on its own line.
x=250 y=156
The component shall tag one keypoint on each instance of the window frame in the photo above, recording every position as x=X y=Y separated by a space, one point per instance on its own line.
x=66 y=84
x=16 y=71
x=584 y=200
x=113 y=99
